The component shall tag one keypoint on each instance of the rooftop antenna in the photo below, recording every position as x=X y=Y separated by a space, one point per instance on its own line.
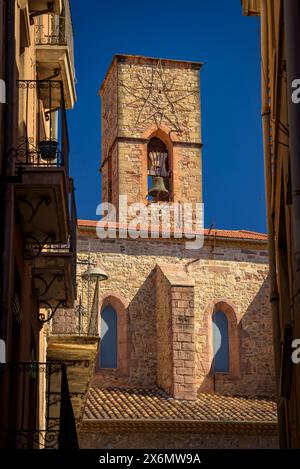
x=212 y=225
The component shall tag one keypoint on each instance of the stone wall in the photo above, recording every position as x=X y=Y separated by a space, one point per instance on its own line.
x=66 y=322
x=164 y=333
x=183 y=329
x=139 y=74
x=162 y=440
x=175 y=332
x=235 y=273
x=109 y=116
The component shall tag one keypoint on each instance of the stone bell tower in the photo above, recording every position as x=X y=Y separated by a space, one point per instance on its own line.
x=151 y=130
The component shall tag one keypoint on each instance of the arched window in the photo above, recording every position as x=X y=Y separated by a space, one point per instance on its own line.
x=220 y=342
x=159 y=186
x=108 y=343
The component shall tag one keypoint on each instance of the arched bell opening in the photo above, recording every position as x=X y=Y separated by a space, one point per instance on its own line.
x=158 y=169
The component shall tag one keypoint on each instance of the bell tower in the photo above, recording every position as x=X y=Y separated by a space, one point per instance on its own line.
x=151 y=131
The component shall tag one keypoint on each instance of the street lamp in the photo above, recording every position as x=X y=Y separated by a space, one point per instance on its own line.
x=94 y=273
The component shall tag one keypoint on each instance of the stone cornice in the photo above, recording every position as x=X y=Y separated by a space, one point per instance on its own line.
x=179 y=425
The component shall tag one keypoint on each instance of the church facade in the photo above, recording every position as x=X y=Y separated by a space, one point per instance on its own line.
x=185 y=356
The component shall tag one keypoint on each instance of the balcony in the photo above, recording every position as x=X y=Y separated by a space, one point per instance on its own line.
x=54 y=271
x=41 y=411
x=55 y=50
x=81 y=348
x=46 y=209
x=42 y=155
x=74 y=336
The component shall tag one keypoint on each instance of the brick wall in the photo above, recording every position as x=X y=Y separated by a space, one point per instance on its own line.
x=164 y=333
x=183 y=330
x=175 y=332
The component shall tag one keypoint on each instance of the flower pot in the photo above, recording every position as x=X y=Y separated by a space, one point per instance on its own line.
x=48 y=149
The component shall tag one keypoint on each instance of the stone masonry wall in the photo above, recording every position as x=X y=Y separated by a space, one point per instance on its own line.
x=160 y=440
x=109 y=126
x=236 y=273
x=109 y=116
x=137 y=75
x=175 y=332
x=164 y=333
x=183 y=331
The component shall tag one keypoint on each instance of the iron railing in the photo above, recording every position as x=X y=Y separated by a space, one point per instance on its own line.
x=80 y=320
x=70 y=321
x=36 y=408
x=43 y=132
x=76 y=321
x=56 y=30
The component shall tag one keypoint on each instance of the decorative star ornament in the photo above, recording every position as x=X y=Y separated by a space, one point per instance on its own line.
x=157 y=99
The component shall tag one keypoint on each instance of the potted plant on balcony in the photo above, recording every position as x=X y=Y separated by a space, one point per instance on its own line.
x=48 y=149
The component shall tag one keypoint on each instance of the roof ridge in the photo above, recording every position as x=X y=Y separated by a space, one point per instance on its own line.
x=217 y=230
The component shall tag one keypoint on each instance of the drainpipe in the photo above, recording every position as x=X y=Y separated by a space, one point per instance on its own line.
x=10 y=129
x=274 y=299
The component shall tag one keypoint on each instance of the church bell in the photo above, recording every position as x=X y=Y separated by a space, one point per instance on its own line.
x=158 y=171
x=158 y=189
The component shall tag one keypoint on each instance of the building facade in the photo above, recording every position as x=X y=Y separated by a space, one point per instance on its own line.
x=38 y=215
x=185 y=356
x=280 y=74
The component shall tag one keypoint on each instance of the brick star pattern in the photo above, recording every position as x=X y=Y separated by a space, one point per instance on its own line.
x=157 y=98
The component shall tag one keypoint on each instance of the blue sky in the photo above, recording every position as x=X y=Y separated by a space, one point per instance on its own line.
x=214 y=32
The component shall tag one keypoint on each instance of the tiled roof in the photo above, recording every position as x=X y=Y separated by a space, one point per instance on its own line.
x=234 y=234
x=132 y=407
x=241 y=234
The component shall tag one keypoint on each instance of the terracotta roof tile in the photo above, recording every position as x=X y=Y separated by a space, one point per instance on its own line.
x=154 y=404
x=241 y=234
x=234 y=234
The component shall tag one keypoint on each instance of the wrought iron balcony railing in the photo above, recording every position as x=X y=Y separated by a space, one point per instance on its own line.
x=76 y=321
x=43 y=133
x=38 y=412
x=56 y=30
x=71 y=322
x=51 y=30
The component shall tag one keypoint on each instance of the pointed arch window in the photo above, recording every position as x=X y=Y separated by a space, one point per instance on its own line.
x=109 y=338
x=220 y=342
x=158 y=166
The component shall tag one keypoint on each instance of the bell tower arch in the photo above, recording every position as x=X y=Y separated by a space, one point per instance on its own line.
x=158 y=171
